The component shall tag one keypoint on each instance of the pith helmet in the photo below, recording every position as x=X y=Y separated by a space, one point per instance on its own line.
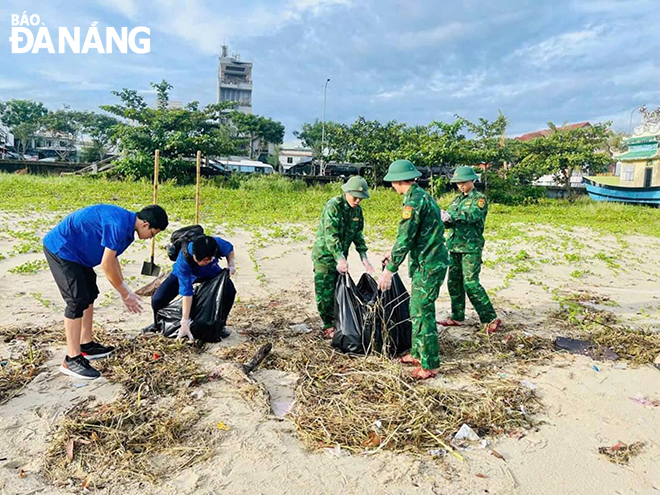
x=464 y=174
x=356 y=186
x=401 y=170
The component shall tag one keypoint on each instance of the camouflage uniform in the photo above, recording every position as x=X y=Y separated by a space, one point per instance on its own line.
x=421 y=234
x=340 y=227
x=465 y=243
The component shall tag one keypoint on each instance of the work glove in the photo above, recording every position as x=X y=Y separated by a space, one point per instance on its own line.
x=446 y=217
x=184 y=330
x=385 y=280
x=131 y=300
x=367 y=266
x=232 y=268
x=342 y=266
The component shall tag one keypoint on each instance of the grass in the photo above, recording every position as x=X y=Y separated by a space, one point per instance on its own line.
x=271 y=201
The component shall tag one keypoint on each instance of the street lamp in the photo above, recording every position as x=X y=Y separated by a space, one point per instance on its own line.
x=325 y=90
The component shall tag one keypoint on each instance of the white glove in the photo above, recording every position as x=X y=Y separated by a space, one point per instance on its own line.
x=342 y=266
x=385 y=280
x=446 y=217
x=367 y=266
x=131 y=300
x=232 y=268
x=184 y=331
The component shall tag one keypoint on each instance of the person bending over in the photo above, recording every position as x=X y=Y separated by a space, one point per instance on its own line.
x=197 y=261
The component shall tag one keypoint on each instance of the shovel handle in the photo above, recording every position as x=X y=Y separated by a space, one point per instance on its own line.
x=199 y=170
x=156 y=166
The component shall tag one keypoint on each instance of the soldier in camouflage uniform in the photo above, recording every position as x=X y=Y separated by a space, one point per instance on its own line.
x=421 y=237
x=341 y=225
x=465 y=220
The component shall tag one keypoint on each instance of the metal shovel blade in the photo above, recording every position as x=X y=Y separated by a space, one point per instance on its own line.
x=150 y=269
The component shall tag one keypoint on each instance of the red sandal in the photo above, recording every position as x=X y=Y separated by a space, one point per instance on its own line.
x=422 y=374
x=328 y=333
x=409 y=360
x=448 y=322
x=493 y=326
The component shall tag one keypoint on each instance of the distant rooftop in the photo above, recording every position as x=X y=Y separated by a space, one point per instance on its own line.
x=546 y=132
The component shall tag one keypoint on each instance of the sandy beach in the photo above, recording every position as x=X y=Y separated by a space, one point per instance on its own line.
x=587 y=404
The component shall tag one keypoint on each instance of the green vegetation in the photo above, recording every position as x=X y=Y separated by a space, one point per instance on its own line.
x=30 y=267
x=266 y=202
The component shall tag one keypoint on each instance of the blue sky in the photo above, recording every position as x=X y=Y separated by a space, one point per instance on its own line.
x=406 y=60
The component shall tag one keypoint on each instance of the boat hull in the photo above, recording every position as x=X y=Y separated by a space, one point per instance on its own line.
x=620 y=194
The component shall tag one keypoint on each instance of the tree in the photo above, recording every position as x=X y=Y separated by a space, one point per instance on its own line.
x=370 y=142
x=177 y=132
x=24 y=118
x=336 y=144
x=258 y=130
x=564 y=151
x=99 y=128
x=65 y=126
x=490 y=145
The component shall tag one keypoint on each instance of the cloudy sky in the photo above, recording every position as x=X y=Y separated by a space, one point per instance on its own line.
x=408 y=60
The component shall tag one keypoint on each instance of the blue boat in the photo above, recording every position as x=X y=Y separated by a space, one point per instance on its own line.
x=638 y=168
x=623 y=194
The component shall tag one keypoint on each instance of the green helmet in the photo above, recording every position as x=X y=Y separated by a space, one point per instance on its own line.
x=464 y=174
x=401 y=170
x=356 y=186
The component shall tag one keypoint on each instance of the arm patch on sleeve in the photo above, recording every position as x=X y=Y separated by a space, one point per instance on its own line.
x=406 y=213
x=481 y=202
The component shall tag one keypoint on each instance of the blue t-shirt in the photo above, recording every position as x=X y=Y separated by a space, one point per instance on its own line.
x=84 y=234
x=187 y=272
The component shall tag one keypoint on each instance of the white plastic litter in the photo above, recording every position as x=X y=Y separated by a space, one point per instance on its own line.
x=466 y=433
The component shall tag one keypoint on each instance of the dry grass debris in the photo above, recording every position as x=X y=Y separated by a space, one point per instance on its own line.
x=129 y=439
x=621 y=453
x=17 y=372
x=149 y=432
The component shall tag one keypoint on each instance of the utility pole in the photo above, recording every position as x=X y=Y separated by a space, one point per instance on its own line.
x=325 y=90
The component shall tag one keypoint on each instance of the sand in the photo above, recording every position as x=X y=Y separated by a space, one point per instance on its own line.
x=585 y=408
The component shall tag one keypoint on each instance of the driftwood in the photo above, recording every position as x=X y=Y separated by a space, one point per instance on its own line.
x=149 y=289
x=256 y=360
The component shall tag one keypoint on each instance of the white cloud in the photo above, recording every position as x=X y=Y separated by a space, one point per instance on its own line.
x=10 y=83
x=207 y=29
x=127 y=8
x=429 y=37
x=73 y=81
x=575 y=44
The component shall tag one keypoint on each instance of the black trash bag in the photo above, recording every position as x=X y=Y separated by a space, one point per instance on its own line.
x=367 y=319
x=349 y=317
x=212 y=302
x=397 y=326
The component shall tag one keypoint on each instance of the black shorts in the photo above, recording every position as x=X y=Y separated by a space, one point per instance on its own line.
x=77 y=284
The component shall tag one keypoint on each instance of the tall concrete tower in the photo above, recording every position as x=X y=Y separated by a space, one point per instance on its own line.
x=235 y=80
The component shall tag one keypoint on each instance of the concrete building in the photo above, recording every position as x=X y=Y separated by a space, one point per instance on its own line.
x=292 y=154
x=235 y=80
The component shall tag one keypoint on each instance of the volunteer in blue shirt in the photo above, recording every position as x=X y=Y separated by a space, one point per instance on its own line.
x=93 y=236
x=199 y=260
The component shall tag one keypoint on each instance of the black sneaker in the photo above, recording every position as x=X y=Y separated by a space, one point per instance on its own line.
x=94 y=350
x=79 y=367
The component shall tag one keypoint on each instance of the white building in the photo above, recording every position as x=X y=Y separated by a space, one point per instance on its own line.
x=292 y=154
x=6 y=140
x=235 y=81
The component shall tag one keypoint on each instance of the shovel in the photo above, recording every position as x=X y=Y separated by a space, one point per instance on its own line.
x=149 y=268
